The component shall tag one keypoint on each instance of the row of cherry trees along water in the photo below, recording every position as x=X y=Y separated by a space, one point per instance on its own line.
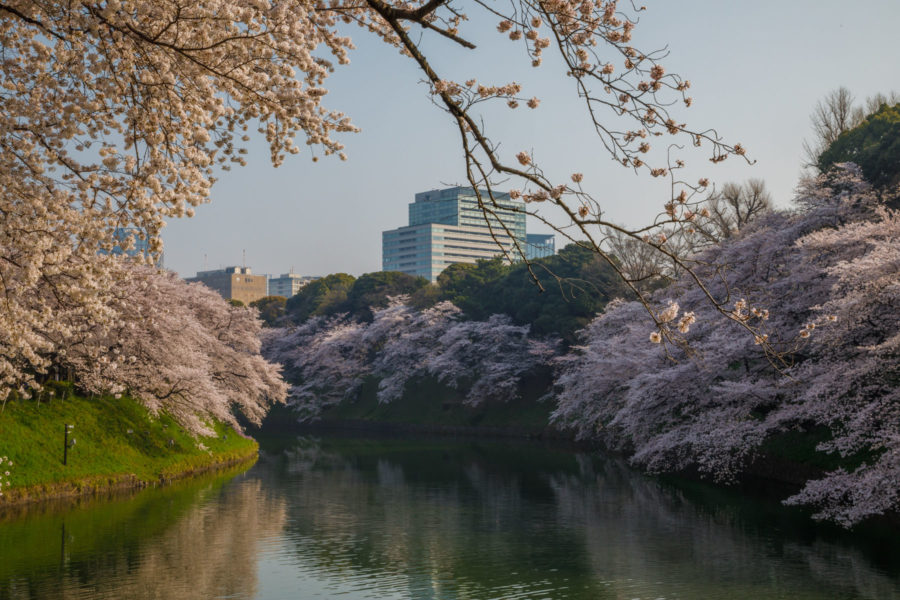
x=821 y=280
x=175 y=346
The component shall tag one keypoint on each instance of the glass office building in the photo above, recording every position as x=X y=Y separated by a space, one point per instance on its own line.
x=426 y=250
x=460 y=206
x=449 y=226
x=539 y=245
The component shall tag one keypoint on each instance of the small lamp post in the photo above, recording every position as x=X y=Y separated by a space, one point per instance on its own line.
x=67 y=443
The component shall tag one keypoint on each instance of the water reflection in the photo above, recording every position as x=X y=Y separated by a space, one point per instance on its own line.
x=504 y=520
x=195 y=540
x=423 y=519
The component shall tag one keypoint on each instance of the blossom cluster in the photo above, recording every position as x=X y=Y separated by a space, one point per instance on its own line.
x=118 y=115
x=667 y=319
x=830 y=268
x=327 y=360
x=176 y=347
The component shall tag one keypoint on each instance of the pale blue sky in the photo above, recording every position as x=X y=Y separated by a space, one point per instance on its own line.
x=756 y=68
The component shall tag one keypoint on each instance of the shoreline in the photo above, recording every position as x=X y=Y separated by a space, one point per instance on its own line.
x=121 y=446
x=99 y=485
x=768 y=473
x=394 y=427
x=765 y=466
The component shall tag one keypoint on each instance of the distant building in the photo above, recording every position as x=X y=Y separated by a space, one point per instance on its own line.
x=426 y=250
x=447 y=227
x=458 y=206
x=288 y=284
x=234 y=283
x=539 y=245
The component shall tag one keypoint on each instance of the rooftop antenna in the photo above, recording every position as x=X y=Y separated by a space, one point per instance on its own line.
x=205 y=263
x=244 y=259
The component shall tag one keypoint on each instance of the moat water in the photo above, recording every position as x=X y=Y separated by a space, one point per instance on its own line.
x=329 y=517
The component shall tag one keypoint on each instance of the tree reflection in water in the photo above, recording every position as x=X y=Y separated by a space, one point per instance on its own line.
x=193 y=540
x=420 y=519
x=484 y=520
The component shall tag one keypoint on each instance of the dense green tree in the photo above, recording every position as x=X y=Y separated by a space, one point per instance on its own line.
x=837 y=113
x=465 y=285
x=323 y=296
x=270 y=308
x=874 y=145
x=235 y=302
x=372 y=290
x=425 y=297
x=342 y=293
x=577 y=285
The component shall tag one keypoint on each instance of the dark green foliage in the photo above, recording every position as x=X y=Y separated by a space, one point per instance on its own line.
x=577 y=283
x=874 y=145
x=323 y=296
x=270 y=308
x=462 y=284
x=234 y=302
x=342 y=293
x=425 y=297
x=372 y=290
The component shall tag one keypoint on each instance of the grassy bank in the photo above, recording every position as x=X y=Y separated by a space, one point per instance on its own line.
x=118 y=444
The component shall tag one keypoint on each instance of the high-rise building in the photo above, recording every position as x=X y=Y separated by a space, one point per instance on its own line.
x=539 y=245
x=288 y=284
x=448 y=226
x=234 y=283
x=459 y=206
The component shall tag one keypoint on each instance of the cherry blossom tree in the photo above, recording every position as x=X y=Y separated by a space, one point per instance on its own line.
x=116 y=115
x=405 y=342
x=490 y=356
x=324 y=357
x=710 y=404
x=56 y=297
x=119 y=114
x=850 y=383
x=177 y=347
x=329 y=359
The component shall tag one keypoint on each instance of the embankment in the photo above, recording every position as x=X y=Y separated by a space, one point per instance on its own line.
x=428 y=406
x=115 y=444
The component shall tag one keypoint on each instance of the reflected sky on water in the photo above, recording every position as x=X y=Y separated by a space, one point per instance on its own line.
x=321 y=517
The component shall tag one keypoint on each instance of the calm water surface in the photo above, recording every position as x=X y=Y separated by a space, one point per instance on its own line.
x=417 y=519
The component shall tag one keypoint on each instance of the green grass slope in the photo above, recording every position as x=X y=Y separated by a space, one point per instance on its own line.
x=118 y=443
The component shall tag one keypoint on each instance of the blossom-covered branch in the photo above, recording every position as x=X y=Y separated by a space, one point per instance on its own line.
x=831 y=269
x=629 y=99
